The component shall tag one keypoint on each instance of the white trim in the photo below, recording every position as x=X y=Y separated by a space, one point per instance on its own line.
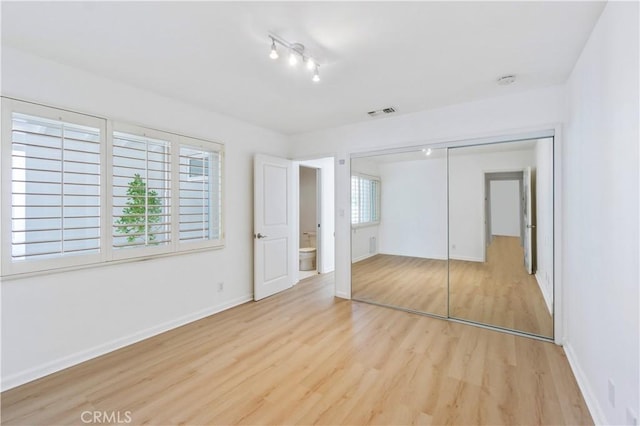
x=556 y=280
x=467 y=258
x=50 y=367
x=597 y=414
x=509 y=135
x=343 y=295
x=361 y=258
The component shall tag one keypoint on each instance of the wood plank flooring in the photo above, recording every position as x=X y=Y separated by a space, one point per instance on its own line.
x=408 y=282
x=305 y=357
x=497 y=292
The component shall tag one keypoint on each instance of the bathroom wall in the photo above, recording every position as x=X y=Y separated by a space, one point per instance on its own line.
x=308 y=203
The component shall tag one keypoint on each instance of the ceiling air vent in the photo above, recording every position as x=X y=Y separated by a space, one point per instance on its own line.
x=378 y=112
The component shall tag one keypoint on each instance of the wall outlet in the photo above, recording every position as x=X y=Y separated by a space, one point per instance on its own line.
x=612 y=393
x=220 y=287
x=453 y=246
x=632 y=418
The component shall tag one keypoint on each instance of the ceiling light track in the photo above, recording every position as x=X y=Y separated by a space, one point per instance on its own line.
x=296 y=54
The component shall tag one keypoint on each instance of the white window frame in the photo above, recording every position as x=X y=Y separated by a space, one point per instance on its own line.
x=9 y=106
x=107 y=254
x=205 y=146
x=378 y=200
x=141 y=251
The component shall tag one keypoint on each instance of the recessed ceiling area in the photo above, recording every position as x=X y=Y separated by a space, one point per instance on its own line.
x=412 y=55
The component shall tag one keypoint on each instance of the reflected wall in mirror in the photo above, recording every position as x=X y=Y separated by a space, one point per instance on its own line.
x=501 y=235
x=399 y=230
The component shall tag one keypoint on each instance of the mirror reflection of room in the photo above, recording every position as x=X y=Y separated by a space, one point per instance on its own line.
x=399 y=230
x=501 y=235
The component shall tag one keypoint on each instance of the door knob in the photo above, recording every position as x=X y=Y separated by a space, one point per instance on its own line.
x=259 y=236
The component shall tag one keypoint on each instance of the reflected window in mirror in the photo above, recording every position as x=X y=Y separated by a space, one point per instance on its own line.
x=365 y=200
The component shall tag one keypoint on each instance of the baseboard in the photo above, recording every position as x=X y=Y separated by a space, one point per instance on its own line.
x=434 y=257
x=589 y=398
x=545 y=294
x=51 y=367
x=343 y=295
x=468 y=258
x=366 y=256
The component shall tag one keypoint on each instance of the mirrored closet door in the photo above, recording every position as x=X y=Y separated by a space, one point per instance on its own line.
x=399 y=230
x=464 y=232
x=501 y=235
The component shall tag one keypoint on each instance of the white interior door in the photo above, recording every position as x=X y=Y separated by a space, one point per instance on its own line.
x=528 y=220
x=273 y=225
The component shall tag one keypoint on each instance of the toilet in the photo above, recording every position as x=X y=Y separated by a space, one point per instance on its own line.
x=308 y=254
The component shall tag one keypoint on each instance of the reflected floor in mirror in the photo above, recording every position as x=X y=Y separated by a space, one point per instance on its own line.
x=499 y=291
x=408 y=282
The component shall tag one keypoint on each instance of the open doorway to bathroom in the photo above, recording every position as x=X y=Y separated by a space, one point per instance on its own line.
x=315 y=189
x=310 y=203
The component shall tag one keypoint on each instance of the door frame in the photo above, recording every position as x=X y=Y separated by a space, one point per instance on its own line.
x=318 y=218
x=489 y=176
x=322 y=242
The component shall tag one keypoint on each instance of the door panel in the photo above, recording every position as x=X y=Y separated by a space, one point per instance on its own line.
x=273 y=271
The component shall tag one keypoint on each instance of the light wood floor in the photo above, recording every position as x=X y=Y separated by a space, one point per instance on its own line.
x=497 y=292
x=413 y=283
x=305 y=357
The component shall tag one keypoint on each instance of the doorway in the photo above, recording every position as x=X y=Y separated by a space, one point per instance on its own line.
x=504 y=207
x=309 y=207
x=315 y=190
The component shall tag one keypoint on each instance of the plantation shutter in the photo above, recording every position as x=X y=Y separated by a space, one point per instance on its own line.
x=200 y=201
x=55 y=188
x=365 y=200
x=141 y=182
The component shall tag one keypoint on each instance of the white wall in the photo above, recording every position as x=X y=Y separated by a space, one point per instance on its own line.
x=327 y=211
x=308 y=205
x=510 y=114
x=505 y=208
x=466 y=196
x=413 y=220
x=52 y=321
x=544 y=218
x=600 y=215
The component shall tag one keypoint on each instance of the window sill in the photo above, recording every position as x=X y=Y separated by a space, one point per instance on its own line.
x=20 y=275
x=364 y=225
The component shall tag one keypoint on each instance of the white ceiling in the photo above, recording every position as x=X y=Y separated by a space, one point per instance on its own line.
x=410 y=55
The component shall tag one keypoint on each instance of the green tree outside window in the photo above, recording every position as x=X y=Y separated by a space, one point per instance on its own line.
x=142 y=211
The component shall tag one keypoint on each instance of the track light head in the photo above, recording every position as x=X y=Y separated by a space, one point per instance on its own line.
x=311 y=63
x=293 y=58
x=316 y=75
x=274 y=52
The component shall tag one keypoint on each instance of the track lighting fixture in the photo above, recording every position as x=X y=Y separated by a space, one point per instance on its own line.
x=296 y=53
